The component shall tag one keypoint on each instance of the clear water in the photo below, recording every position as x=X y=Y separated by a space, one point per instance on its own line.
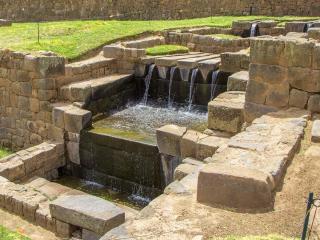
x=147 y=81
x=139 y=122
x=253 y=31
x=214 y=83
x=170 y=100
x=191 y=91
x=133 y=201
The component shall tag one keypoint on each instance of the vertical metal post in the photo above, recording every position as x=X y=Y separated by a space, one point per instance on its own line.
x=306 y=220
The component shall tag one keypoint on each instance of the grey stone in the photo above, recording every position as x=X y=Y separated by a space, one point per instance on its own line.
x=238 y=81
x=88 y=212
x=315 y=133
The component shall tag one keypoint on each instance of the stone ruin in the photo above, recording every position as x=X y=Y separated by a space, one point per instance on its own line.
x=258 y=104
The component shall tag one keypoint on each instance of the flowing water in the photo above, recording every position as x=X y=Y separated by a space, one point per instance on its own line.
x=253 y=30
x=134 y=201
x=139 y=122
x=170 y=101
x=214 y=83
x=147 y=81
x=191 y=90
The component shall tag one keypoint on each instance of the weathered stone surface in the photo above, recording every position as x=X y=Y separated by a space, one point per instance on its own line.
x=239 y=188
x=89 y=235
x=75 y=119
x=183 y=170
x=188 y=144
x=73 y=152
x=298 y=98
x=314 y=103
x=314 y=33
x=88 y=212
x=226 y=112
x=206 y=147
x=235 y=61
x=315 y=133
x=264 y=149
x=304 y=79
x=238 y=81
x=169 y=138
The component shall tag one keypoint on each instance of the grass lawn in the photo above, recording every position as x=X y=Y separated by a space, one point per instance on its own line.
x=4 y=152
x=225 y=36
x=166 y=49
x=6 y=234
x=72 y=39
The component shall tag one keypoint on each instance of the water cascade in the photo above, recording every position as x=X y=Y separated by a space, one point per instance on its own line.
x=170 y=101
x=147 y=81
x=191 y=91
x=307 y=26
x=214 y=83
x=253 y=30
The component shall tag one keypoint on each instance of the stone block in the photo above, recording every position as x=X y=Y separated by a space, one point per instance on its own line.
x=304 y=79
x=64 y=230
x=238 y=81
x=253 y=110
x=315 y=132
x=298 y=98
x=188 y=144
x=269 y=51
x=234 y=187
x=183 y=170
x=316 y=57
x=226 y=112
x=206 y=147
x=76 y=119
x=314 y=33
x=270 y=74
x=314 y=103
x=278 y=95
x=256 y=92
x=169 y=139
x=86 y=211
x=73 y=152
x=299 y=53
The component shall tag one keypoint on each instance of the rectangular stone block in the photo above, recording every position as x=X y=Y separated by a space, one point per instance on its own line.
x=188 y=144
x=169 y=139
x=206 y=147
x=298 y=98
x=315 y=133
x=86 y=211
x=304 y=79
x=237 y=188
x=76 y=119
x=225 y=112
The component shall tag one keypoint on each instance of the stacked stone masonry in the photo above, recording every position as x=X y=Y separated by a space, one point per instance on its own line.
x=283 y=73
x=30 y=10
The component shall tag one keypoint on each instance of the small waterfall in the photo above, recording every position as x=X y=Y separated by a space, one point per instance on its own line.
x=191 y=91
x=170 y=101
x=214 y=83
x=307 y=26
x=253 y=30
x=147 y=81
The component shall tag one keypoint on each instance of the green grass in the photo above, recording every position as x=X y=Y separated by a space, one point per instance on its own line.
x=4 y=152
x=72 y=39
x=166 y=49
x=225 y=36
x=6 y=234
x=268 y=237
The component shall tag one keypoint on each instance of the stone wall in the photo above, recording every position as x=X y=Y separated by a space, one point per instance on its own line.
x=283 y=73
x=27 y=89
x=33 y=10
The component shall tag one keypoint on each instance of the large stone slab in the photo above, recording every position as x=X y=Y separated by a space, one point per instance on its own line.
x=226 y=112
x=88 y=212
x=234 y=187
x=195 y=61
x=173 y=60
